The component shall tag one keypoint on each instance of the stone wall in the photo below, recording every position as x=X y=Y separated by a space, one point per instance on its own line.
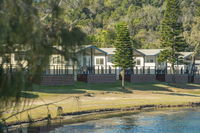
x=103 y=78
x=197 y=79
x=143 y=78
x=56 y=80
x=82 y=77
x=126 y=78
x=178 y=78
x=97 y=78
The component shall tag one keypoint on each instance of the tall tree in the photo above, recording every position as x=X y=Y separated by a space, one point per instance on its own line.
x=171 y=34
x=30 y=37
x=195 y=41
x=123 y=57
x=23 y=40
x=61 y=32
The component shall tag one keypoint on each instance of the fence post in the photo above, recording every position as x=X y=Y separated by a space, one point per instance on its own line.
x=106 y=70
x=67 y=69
x=136 y=70
x=98 y=69
x=181 y=70
x=143 y=70
x=54 y=69
x=102 y=70
x=94 y=70
x=73 y=69
x=59 y=71
x=65 y=72
x=62 y=69
x=187 y=71
x=49 y=70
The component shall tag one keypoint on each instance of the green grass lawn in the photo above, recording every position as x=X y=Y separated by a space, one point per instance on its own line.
x=107 y=95
x=81 y=87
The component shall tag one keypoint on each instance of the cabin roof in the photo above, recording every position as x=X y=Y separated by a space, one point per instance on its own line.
x=109 y=51
x=149 y=52
x=186 y=54
x=144 y=52
x=91 y=47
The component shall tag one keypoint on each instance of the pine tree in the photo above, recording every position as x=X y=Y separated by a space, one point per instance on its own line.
x=171 y=33
x=31 y=37
x=123 y=57
x=21 y=33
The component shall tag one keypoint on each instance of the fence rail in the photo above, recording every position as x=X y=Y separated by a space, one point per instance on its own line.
x=65 y=70
x=59 y=70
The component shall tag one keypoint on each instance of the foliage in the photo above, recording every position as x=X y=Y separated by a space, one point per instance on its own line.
x=95 y=17
x=171 y=33
x=123 y=57
x=104 y=38
x=124 y=51
x=62 y=33
x=35 y=27
x=29 y=32
x=21 y=33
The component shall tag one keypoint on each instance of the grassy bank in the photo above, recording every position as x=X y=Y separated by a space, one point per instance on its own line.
x=83 y=97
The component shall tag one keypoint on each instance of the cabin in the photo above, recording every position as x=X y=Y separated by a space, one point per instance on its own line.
x=146 y=62
x=93 y=65
x=98 y=58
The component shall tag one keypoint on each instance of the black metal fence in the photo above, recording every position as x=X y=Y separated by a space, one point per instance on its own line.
x=60 y=70
x=65 y=69
x=98 y=70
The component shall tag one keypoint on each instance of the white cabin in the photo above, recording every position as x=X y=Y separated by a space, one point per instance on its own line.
x=102 y=58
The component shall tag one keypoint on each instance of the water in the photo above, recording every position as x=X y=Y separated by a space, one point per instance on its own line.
x=169 y=121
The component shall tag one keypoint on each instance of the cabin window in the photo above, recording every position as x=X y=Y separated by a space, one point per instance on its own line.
x=150 y=60
x=99 y=61
x=57 y=60
x=138 y=62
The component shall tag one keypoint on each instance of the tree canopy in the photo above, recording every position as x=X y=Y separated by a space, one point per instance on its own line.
x=29 y=31
x=172 y=39
x=97 y=18
x=35 y=26
x=123 y=57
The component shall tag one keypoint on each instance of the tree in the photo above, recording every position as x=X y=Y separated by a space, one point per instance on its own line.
x=31 y=36
x=105 y=38
x=123 y=57
x=61 y=32
x=171 y=34
x=195 y=43
x=22 y=36
x=21 y=33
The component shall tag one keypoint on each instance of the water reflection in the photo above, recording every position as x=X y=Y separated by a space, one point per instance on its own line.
x=32 y=128
x=170 y=121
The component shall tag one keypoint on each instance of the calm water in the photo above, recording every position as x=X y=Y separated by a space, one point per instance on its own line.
x=170 y=121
